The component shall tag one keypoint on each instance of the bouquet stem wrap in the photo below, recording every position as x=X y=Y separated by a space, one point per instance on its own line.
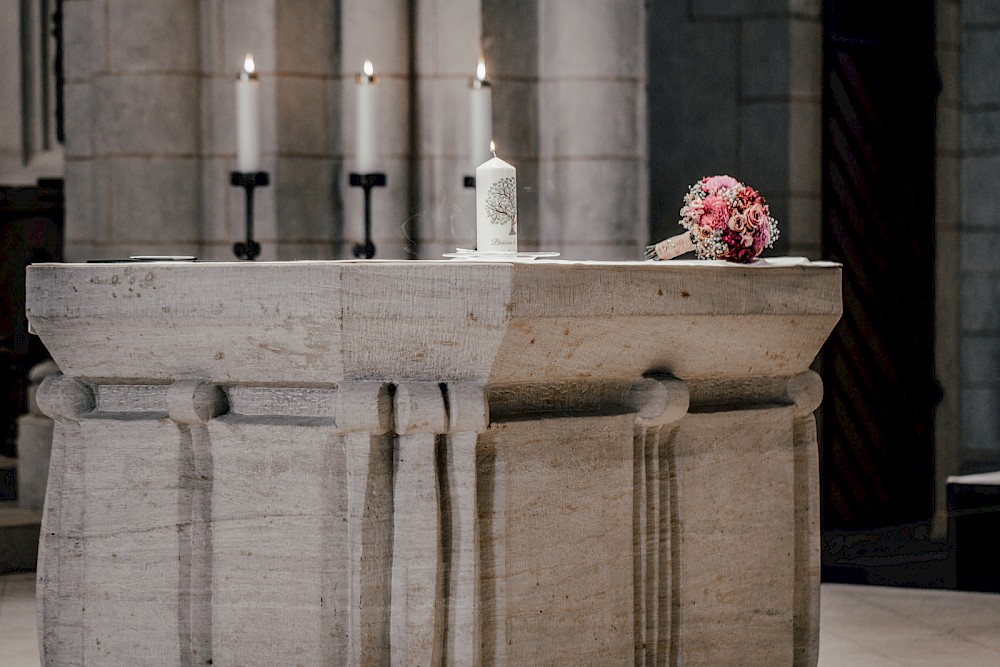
x=670 y=248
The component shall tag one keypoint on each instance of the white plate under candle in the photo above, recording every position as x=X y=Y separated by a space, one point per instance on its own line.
x=462 y=253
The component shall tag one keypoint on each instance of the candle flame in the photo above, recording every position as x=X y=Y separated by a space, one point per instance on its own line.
x=248 y=65
x=481 y=69
x=493 y=148
x=369 y=69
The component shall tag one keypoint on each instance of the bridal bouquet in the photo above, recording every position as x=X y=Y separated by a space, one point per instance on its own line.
x=725 y=219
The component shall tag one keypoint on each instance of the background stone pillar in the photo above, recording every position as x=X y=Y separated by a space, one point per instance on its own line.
x=570 y=104
x=29 y=145
x=737 y=88
x=592 y=137
x=228 y=31
x=947 y=259
x=310 y=183
x=979 y=231
x=132 y=128
x=296 y=47
x=447 y=47
x=510 y=44
x=10 y=73
x=380 y=31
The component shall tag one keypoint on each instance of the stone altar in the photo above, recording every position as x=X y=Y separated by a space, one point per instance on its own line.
x=415 y=463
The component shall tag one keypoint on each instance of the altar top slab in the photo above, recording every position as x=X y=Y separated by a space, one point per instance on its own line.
x=324 y=322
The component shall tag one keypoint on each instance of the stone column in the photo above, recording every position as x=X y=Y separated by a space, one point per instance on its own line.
x=468 y=416
x=150 y=120
x=61 y=547
x=805 y=392
x=570 y=105
x=592 y=109
x=978 y=196
x=435 y=616
x=948 y=242
x=417 y=622
x=447 y=45
x=11 y=111
x=295 y=45
x=659 y=404
x=736 y=88
x=29 y=147
x=191 y=404
x=380 y=31
x=511 y=47
x=364 y=411
x=133 y=109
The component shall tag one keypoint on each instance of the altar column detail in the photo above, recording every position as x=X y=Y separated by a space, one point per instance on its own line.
x=435 y=580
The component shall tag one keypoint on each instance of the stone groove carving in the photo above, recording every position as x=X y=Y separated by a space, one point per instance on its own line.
x=432 y=606
x=660 y=403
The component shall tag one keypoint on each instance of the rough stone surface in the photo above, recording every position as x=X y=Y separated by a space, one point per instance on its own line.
x=453 y=463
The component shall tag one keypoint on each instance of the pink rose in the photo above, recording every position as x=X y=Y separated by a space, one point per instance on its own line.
x=704 y=233
x=756 y=216
x=714 y=183
x=715 y=213
x=738 y=222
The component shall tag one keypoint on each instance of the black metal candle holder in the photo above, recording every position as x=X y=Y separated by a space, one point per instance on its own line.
x=367 y=181
x=248 y=180
x=469 y=181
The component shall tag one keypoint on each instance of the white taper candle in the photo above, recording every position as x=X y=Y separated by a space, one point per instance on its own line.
x=367 y=140
x=480 y=116
x=247 y=119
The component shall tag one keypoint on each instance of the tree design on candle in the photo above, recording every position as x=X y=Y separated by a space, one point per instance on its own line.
x=501 y=202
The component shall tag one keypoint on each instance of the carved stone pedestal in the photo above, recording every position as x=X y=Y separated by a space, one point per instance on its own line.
x=419 y=463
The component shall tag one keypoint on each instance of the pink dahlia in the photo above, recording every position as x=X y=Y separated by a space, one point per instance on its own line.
x=715 y=213
x=715 y=183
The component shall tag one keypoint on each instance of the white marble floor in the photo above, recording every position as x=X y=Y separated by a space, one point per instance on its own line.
x=860 y=626
x=881 y=626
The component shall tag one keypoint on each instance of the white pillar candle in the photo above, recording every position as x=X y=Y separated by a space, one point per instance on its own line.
x=480 y=116
x=247 y=119
x=496 y=206
x=367 y=140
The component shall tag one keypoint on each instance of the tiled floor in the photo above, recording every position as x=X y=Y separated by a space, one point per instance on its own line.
x=18 y=643
x=880 y=626
x=861 y=626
